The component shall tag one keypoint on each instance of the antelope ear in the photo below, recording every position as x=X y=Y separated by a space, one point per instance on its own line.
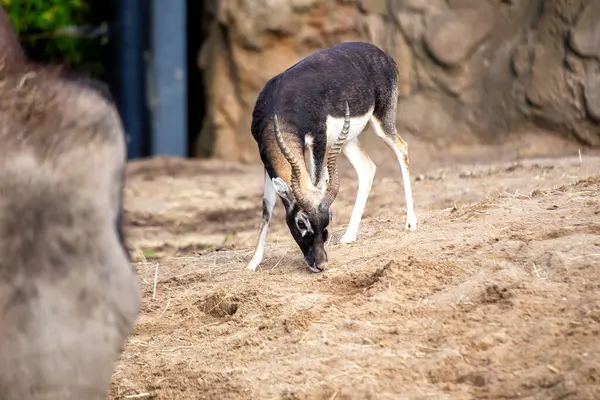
x=282 y=189
x=280 y=186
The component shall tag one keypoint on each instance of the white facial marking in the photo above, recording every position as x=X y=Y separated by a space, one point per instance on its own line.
x=303 y=224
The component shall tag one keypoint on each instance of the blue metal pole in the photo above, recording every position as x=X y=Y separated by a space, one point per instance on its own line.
x=169 y=78
x=129 y=37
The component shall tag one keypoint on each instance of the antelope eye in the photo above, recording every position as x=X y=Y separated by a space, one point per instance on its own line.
x=303 y=224
x=325 y=234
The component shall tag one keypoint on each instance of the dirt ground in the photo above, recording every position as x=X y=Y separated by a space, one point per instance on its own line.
x=495 y=296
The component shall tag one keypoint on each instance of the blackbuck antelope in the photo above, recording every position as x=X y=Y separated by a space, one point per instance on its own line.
x=322 y=104
x=68 y=295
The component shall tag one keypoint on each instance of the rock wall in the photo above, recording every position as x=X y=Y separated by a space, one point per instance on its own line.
x=472 y=71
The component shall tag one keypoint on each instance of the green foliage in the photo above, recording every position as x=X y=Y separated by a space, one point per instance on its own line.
x=36 y=20
x=44 y=14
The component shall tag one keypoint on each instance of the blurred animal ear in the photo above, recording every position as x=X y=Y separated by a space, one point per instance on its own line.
x=282 y=189
x=280 y=186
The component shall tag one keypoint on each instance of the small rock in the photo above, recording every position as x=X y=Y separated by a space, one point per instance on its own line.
x=522 y=60
x=575 y=64
x=473 y=379
x=538 y=193
x=514 y=167
x=469 y=174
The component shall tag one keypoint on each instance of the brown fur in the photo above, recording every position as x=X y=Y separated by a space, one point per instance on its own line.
x=68 y=295
x=283 y=168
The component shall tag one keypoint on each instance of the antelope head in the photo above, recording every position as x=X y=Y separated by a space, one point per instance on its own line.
x=308 y=209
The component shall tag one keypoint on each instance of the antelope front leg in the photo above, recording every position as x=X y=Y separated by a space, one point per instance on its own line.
x=268 y=204
x=365 y=171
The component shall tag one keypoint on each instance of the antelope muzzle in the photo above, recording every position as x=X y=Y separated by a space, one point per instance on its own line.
x=316 y=256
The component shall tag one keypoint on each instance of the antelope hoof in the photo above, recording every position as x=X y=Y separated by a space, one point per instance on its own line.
x=411 y=223
x=348 y=239
x=252 y=265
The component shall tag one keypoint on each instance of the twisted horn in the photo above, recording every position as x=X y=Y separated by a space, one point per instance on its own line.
x=291 y=159
x=334 y=179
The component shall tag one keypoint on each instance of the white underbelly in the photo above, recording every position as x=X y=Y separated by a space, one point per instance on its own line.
x=334 y=127
x=357 y=125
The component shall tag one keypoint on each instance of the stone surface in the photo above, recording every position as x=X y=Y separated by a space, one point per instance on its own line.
x=585 y=35
x=375 y=7
x=592 y=94
x=522 y=60
x=412 y=25
x=423 y=116
x=424 y=5
x=469 y=69
x=453 y=37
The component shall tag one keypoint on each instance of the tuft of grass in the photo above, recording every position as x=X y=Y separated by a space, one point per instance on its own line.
x=148 y=253
x=142 y=255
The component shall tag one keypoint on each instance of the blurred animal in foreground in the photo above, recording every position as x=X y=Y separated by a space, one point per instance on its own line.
x=322 y=104
x=68 y=295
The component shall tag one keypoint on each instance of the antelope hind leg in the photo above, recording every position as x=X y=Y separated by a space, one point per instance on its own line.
x=400 y=149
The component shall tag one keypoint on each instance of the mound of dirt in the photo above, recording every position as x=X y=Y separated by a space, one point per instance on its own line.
x=219 y=305
x=494 y=296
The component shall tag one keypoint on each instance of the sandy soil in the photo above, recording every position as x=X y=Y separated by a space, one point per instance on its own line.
x=495 y=296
